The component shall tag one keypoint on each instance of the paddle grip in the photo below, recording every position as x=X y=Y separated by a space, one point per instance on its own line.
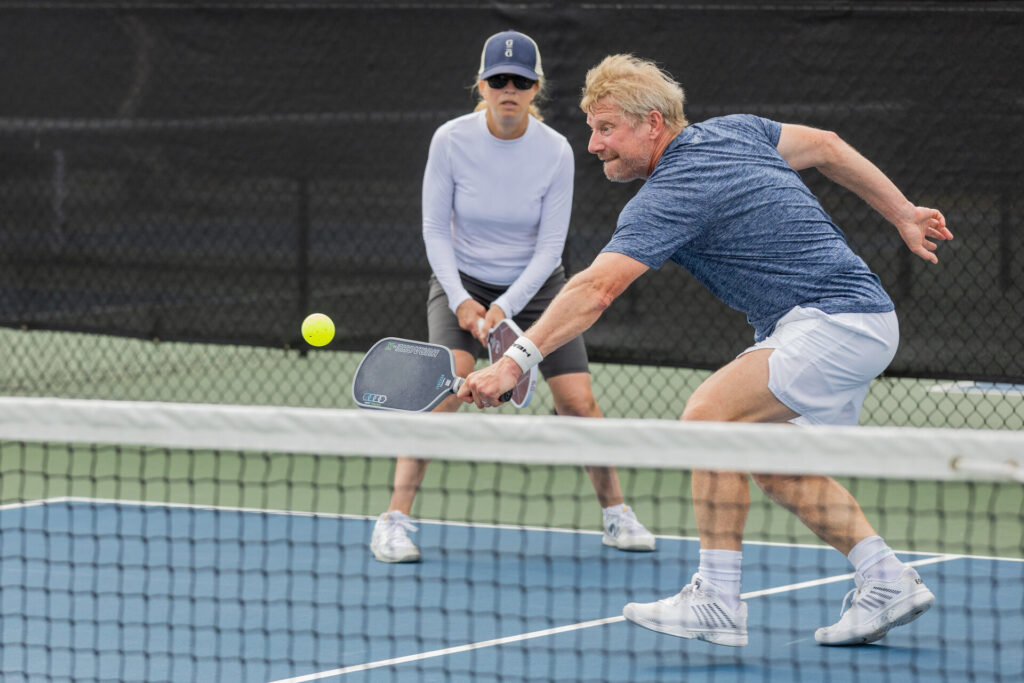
x=457 y=384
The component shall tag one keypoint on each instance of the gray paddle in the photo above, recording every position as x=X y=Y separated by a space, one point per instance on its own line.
x=402 y=374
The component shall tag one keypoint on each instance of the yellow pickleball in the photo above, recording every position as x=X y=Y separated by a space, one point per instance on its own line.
x=317 y=329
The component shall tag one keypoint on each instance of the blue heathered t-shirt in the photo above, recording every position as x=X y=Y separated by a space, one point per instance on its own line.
x=725 y=205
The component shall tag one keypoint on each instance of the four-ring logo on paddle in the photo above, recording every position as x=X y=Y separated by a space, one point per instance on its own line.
x=375 y=398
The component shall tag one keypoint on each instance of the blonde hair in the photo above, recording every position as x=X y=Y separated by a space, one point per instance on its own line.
x=534 y=109
x=637 y=86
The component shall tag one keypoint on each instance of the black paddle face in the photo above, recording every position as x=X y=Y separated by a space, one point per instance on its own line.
x=401 y=374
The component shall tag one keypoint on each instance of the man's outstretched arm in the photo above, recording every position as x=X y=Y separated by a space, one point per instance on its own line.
x=803 y=147
x=578 y=306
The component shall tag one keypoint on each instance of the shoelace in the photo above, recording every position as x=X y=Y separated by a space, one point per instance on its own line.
x=394 y=524
x=854 y=592
x=687 y=589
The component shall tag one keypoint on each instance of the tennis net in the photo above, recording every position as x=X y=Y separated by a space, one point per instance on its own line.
x=172 y=542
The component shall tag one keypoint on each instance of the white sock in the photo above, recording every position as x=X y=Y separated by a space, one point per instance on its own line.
x=873 y=559
x=722 y=569
x=621 y=507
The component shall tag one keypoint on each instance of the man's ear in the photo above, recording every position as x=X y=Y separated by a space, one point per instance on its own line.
x=656 y=122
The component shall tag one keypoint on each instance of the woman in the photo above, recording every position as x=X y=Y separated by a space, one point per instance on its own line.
x=497 y=195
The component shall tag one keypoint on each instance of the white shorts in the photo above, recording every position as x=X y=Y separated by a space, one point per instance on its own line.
x=823 y=363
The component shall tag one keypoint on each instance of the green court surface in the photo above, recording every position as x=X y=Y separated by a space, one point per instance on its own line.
x=41 y=363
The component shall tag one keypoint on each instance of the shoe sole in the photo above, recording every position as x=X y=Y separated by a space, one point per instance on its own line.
x=727 y=638
x=634 y=547
x=899 y=614
x=395 y=560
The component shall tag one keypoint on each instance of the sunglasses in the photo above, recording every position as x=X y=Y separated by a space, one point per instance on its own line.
x=501 y=80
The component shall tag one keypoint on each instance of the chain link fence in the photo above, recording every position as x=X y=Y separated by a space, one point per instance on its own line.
x=206 y=174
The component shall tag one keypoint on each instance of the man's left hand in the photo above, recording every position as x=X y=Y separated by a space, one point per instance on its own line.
x=918 y=228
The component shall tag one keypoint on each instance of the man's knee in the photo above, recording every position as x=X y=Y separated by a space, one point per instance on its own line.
x=793 y=491
x=775 y=484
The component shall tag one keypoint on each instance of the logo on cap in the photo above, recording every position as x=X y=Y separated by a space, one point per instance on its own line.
x=510 y=52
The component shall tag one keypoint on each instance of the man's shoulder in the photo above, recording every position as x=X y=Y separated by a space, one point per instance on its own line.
x=736 y=125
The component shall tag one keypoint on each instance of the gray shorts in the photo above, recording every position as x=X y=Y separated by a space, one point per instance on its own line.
x=444 y=326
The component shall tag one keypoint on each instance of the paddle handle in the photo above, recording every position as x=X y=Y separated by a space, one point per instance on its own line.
x=459 y=381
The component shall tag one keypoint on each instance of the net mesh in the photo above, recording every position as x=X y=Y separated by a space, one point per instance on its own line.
x=160 y=542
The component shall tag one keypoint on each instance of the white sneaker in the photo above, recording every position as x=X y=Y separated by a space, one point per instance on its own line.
x=624 y=531
x=391 y=542
x=876 y=607
x=694 y=612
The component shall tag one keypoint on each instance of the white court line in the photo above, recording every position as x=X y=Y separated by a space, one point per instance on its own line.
x=563 y=629
x=450 y=650
x=1004 y=389
x=26 y=504
x=477 y=525
x=438 y=522
x=841 y=577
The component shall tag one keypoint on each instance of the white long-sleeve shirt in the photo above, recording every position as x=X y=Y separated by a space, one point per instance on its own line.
x=497 y=210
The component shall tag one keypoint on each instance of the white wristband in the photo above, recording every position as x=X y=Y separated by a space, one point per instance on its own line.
x=525 y=353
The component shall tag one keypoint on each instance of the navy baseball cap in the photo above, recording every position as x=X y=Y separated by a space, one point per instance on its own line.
x=510 y=52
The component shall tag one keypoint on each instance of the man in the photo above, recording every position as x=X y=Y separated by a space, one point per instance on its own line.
x=724 y=200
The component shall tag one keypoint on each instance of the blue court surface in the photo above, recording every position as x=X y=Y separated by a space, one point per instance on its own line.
x=106 y=590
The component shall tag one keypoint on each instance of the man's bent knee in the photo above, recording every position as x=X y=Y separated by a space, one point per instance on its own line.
x=773 y=483
x=794 y=490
